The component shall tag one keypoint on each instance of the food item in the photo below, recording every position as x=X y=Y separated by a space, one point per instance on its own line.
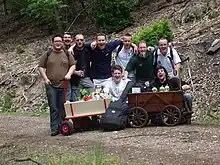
x=167 y=88
x=87 y=98
x=154 y=89
x=162 y=89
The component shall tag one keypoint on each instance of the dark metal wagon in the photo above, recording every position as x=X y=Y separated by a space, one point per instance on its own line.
x=170 y=106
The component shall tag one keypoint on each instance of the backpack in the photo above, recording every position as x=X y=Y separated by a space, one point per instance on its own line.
x=116 y=115
x=120 y=48
x=118 y=51
x=156 y=57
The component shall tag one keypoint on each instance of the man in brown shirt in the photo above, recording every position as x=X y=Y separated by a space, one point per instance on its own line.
x=55 y=67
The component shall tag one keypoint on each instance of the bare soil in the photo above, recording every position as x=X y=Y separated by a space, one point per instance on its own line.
x=180 y=145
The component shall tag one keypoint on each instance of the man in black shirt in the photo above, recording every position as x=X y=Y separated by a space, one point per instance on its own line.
x=173 y=83
x=81 y=76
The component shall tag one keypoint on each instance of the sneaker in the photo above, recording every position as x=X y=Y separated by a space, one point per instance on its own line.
x=54 y=133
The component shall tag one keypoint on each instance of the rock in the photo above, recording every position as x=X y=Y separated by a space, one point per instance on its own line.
x=214 y=47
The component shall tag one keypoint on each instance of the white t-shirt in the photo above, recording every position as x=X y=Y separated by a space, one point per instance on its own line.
x=165 y=61
x=123 y=58
x=116 y=89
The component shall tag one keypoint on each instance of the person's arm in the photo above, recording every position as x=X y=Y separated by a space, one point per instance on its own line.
x=114 y=44
x=90 y=45
x=42 y=70
x=72 y=68
x=43 y=74
x=177 y=61
x=130 y=66
x=71 y=49
x=185 y=86
x=135 y=47
x=70 y=72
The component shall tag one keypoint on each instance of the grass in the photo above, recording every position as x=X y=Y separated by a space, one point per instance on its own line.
x=17 y=153
x=209 y=121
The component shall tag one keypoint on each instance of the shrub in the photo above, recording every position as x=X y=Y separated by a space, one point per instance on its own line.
x=113 y=15
x=20 y=49
x=6 y=102
x=153 y=33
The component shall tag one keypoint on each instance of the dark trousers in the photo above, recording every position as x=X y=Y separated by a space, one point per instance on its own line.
x=55 y=98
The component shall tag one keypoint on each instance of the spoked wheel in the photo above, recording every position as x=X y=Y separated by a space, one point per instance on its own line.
x=138 y=117
x=171 y=115
x=66 y=128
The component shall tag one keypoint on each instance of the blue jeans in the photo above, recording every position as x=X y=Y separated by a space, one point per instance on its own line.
x=74 y=93
x=188 y=98
x=55 y=98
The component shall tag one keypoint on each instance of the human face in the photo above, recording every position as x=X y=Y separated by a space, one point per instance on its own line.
x=79 y=40
x=101 y=41
x=67 y=39
x=142 y=49
x=127 y=42
x=163 y=46
x=57 y=43
x=116 y=76
x=161 y=75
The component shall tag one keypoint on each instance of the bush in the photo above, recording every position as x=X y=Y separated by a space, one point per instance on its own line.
x=152 y=34
x=6 y=102
x=113 y=15
x=45 y=11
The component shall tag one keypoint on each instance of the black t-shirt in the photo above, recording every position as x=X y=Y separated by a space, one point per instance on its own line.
x=173 y=83
x=82 y=56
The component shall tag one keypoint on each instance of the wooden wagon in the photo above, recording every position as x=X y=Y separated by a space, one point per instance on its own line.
x=77 y=113
x=171 y=106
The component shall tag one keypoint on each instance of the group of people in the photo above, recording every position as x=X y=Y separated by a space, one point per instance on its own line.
x=88 y=65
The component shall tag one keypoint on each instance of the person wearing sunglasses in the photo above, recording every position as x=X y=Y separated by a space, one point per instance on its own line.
x=81 y=77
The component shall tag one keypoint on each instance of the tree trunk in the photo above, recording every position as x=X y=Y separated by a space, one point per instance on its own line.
x=84 y=8
x=58 y=22
x=5 y=5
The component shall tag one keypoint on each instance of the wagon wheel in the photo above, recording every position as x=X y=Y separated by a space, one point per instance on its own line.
x=66 y=128
x=138 y=117
x=171 y=115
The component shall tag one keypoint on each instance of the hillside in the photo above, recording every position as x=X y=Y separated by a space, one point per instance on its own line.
x=195 y=25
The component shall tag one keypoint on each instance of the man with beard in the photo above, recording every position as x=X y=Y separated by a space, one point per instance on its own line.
x=67 y=40
x=167 y=57
x=54 y=68
x=124 y=53
x=142 y=64
x=81 y=76
x=116 y=85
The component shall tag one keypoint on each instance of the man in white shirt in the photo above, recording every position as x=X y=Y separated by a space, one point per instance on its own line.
x=167 y=57
x=124 y=53
x=116 y=85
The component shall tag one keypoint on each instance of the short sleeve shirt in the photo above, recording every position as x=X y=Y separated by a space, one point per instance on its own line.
x=116 y=89
x=165 y=61
x=57 y=65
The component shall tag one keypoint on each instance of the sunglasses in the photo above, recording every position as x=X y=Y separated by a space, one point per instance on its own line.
x=80 y=40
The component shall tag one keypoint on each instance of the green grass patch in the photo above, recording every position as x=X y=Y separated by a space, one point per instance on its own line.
x=209 y=121
x=21 y=154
